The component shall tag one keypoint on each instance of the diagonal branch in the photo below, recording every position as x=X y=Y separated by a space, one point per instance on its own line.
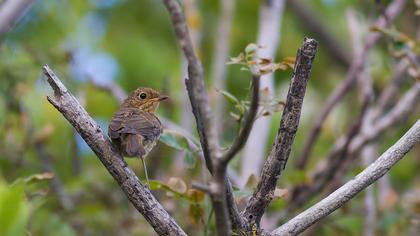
x=139 y=195
x=353 y=74
x=277 y=159
x=342 y=195
x=249 y=121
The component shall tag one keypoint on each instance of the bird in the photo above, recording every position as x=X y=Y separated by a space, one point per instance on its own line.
x=134 y=128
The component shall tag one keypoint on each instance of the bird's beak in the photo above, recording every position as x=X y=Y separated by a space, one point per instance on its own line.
x=161 y=98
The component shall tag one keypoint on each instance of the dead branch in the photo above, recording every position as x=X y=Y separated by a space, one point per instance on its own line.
x=138 y=194
x=269 y=35
x=277 y=159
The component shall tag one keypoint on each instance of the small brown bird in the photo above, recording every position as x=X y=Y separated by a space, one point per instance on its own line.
x=134 y=128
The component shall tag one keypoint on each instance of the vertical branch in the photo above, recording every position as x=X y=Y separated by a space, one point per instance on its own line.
x=277 y=159
x=269 y=34
x=195 y=85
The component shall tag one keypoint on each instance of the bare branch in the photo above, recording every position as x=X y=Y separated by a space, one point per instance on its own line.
x=277 y=159
x=353 y=73
x=248 y=122
x=195 y=85
x=10 y=11
x=342 y=195
x=269 y=36
x=139 y=195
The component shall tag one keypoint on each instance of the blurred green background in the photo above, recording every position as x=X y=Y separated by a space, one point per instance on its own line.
x=131 y=43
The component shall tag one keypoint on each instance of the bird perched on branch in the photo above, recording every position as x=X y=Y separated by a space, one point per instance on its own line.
x=134 y=128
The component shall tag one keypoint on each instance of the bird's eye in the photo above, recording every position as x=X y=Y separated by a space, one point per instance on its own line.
x=143 y=96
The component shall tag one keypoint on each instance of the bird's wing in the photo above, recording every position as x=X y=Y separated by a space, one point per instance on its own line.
x=134 y=121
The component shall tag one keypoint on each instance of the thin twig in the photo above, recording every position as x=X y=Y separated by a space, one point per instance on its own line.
x=138 y=194
x=342 y=195
x=353 y=73
x=277 y=159
x=248 y=122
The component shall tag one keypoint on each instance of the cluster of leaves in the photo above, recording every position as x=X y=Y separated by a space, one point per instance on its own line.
x=250 y=61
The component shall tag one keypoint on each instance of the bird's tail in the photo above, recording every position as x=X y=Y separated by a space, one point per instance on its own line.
x=134 y=145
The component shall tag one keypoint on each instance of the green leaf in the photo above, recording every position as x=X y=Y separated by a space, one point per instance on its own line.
x=189 y=160
x=251 y=48
x=237 y=60
x=14 y=209
x=229 y=97
x=40 y=176
x=177 y=185
x=174 y=140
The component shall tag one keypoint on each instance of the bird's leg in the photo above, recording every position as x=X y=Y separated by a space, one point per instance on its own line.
x=145 y=170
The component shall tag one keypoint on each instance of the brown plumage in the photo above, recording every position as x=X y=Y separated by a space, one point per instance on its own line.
x=134 y=128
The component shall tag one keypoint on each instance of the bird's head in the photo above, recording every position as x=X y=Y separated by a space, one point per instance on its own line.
x=145 y=99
